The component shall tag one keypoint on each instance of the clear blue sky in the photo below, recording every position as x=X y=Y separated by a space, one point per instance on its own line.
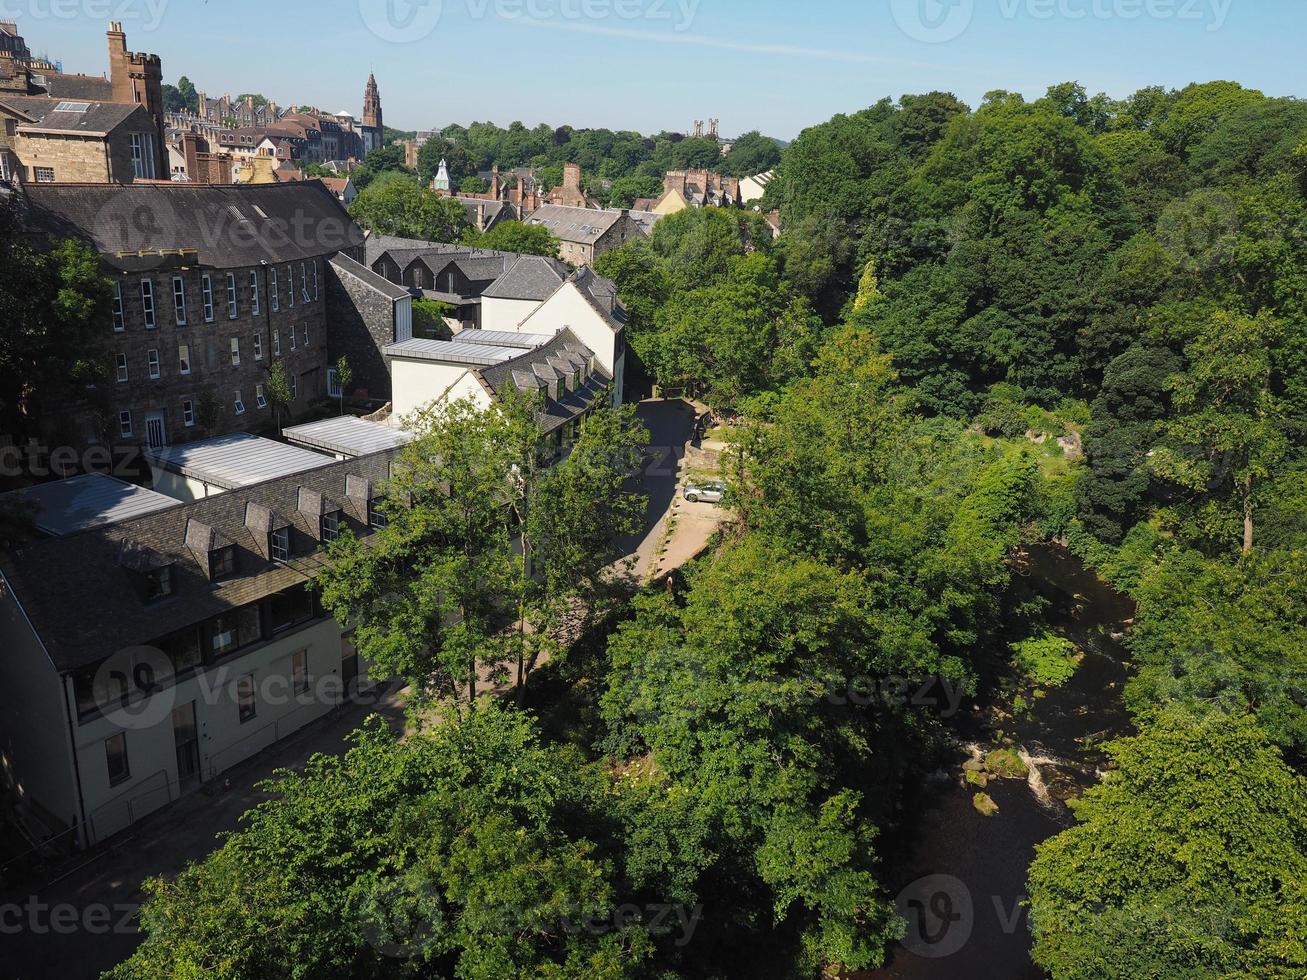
x=655 y=64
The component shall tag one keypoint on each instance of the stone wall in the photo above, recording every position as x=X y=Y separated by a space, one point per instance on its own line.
x=360 y=322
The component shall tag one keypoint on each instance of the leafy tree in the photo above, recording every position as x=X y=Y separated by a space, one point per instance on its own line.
x=383 y=160
x=516 y=236
x=344 y=378
x=1228 y=427
x=277 y=388
x=1187 y=861
x=396 y=204
x=625 y=191
x=461 y=851
x=472 y=185
x=751 y=154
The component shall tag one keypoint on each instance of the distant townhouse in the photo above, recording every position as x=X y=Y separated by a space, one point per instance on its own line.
x=212 y=286
x=196 y=643
x=584 y=234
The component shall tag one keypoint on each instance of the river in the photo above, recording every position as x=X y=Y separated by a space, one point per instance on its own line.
x=961 y=876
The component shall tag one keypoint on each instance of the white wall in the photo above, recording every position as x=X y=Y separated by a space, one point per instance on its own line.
x=505 y=314
x=35 y=753
x=414 y=384
x=224 y=740
x=183 y=488
x=569 y=308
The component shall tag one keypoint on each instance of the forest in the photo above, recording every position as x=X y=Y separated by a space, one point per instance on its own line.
x=1073 y=320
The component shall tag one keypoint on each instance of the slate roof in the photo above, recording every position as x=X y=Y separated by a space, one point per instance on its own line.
x=530 y=277
x=61 y=86
x=231 y=226
x=581 y=225
x=380 y=284
x=98 y=118
x=85 y=602
x=598 y=292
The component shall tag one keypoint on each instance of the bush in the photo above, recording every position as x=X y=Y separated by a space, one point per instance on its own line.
x=1048 y=660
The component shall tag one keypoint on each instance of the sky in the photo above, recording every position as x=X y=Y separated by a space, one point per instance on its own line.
x=650 y=65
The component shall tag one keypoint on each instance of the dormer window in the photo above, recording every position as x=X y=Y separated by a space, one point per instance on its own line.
x=158 y=583
x=279 y=544
x=376 y=517
x=330 y=527
x=222 y=562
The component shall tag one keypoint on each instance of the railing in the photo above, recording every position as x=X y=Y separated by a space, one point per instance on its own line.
x=128 y=805
x=40 y=848
x=280 y=728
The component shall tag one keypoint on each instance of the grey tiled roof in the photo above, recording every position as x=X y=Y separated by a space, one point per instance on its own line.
x=61 y=86
x=388 y=289
x=499 y=376
x=582 y=225
x=530 y=277
x=85 y=604
x=96 y=118
x=231 y=225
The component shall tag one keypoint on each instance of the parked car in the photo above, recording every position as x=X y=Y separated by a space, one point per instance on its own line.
x=711 y=491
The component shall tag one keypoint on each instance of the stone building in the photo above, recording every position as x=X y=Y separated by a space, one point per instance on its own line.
x=212 y=286
x=56 y=127
x=367 y=312
x=584 y=234
x=569 y=194
x=373 y=131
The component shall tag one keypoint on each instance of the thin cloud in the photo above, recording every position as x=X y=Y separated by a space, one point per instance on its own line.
x=697 y=40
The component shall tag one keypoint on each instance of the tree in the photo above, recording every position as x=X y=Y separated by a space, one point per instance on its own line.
x=1228 y=428
x=472 y=185
x=461 y=851
x=396 y=204
x=516 y=236
x=625 y=191
x=277 y=388
x=751 y=154
x=1187 y=860
x=344 y=378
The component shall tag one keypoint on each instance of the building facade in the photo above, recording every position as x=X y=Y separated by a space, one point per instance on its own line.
x=229 y=281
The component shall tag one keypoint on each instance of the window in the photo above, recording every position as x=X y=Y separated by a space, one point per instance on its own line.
x=279 y=544
x=179 y=299
x=276 y=343
x=254 y=292
x=188 y=413
x=158 y=583
x=122 y=368
x=142 y=154
x=238 y=404
x=6 y=168
x=304 y=283
x=152 y=361
x=291 y=333
x=258 y=346
x=232 y=310
x=183 y=358
x=260 y=396
x=44 y=175
x=290 y=282
x=299 y=671
x=222 y=562
x=119 y=321
x=245 y=698
x=291 y=608
x=224 y=634
x=125 y=424
x=376 y=518
x=235 y=352
x=272 y=290
x=208 y=299
x=315 y=278
x=294 y=387
x=330 y=526
x=115 y=754
x=147 y=302
x=306 y=335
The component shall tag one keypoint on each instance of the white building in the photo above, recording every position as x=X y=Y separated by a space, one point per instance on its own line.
x=150 y=645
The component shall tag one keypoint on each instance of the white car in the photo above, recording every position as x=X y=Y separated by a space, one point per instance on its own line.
x=711 y=491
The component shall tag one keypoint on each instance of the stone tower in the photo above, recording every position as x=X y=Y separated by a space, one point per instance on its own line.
x=138 y=78
x=372 y=123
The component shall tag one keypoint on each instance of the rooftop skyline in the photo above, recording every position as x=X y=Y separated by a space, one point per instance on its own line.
x=660 y=64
